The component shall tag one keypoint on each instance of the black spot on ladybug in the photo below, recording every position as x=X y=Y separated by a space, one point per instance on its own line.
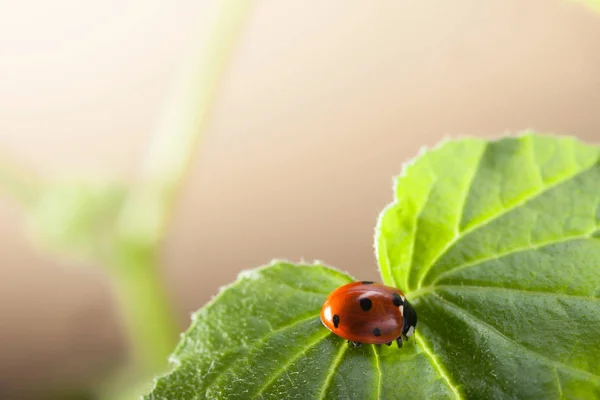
x=367 y=282
x=336 y=320
x=397 y=300
x=376 y=332
x=366 y=304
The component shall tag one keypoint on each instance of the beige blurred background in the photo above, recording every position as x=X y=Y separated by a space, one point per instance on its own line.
x=321 y=104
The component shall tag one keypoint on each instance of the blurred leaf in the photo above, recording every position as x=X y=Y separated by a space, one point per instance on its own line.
x=593 y=4
x=78 y=218
x=496 y=243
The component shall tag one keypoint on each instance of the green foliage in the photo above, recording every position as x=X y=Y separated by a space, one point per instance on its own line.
x=495 y=243
x=262 y=338
x=121 y=226
x=593 y=4
x=77 y=219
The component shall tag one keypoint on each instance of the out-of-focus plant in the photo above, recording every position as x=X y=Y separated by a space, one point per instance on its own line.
x=120 y=226
x=593 y=4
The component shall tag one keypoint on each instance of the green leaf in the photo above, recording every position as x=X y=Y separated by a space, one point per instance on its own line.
x=262 y=338
x=495 y=243
x=593 y=4
x=77 y=218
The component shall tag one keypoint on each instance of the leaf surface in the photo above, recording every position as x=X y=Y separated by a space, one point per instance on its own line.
x=497 y=246
x=498 y=249
x=262 y=338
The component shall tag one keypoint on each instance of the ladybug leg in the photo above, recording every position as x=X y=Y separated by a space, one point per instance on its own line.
x=357 y=344
x=399 y=341
x=389 y=343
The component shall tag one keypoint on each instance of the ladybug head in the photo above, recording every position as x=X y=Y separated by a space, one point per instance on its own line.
x=409 y=320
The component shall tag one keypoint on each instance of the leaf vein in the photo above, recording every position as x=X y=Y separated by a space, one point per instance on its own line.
x=499 y=256
x=560 y=392
x=293 y=359
x=468 y=188
x=484 y=325
x=331 y=371
x=260 y=341
x=413 y=244
x=522 y=291
x=378 y=366
x=498 y=215
x=436 y=364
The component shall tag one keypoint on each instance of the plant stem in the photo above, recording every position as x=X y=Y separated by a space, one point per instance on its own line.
x=147 y=209
x=147 y=317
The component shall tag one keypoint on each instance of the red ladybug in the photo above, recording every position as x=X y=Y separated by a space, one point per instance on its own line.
x=367 y=312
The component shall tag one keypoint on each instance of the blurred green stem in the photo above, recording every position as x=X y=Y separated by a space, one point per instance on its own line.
x=147 y=316
x=133 y=256
x=147 y=209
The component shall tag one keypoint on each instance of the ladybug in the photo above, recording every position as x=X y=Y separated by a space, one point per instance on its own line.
x=367 y=312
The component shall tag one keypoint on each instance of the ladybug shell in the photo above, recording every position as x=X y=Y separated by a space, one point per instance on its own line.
x=365 y=312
